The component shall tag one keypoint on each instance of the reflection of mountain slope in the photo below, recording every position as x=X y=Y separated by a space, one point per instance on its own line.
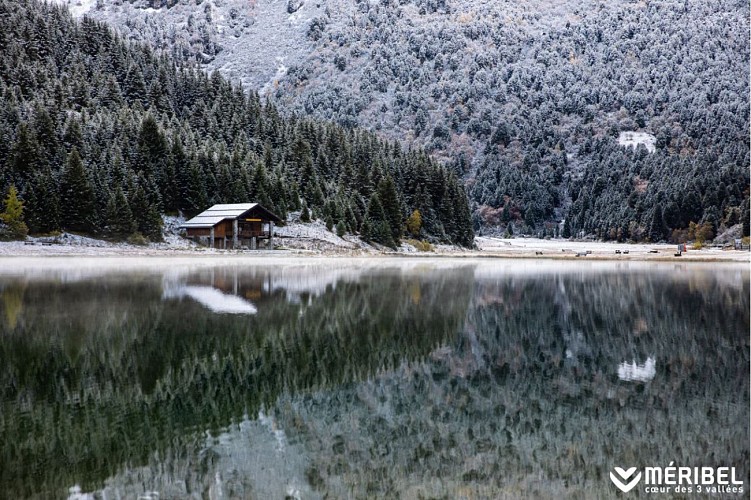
x=127 y=374
x=250 y=457
x=502 y=413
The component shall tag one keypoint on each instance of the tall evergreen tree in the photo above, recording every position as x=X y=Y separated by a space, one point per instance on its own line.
x=391 y=207
x=146 y=216
x=657 y=227
x=77 y=202
x=119 y=222
x=566 y=233
x=378 y=229
x=43 y=203
x=24 y=155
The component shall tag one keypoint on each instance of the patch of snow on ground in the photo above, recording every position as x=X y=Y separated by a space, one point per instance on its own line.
x=314 y=236
x=76 y=7
x=172 y=233
x=281 y=70
x=633 y=139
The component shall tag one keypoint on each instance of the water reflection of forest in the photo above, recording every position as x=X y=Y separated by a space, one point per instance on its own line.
x=498 y=383
x=528 y=400
x=102 y=372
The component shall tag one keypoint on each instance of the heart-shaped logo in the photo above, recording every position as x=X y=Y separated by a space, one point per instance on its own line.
x=622 y=482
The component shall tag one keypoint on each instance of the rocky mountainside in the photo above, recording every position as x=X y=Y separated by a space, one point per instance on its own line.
x=541 y=106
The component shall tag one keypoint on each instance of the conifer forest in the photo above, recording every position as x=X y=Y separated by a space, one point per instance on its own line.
x=484 y=118
x=102 y=136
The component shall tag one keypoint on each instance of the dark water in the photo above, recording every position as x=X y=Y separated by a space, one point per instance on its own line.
x=397 y=379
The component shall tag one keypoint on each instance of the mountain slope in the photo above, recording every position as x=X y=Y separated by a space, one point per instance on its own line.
x=100 y=135
x=526 y=99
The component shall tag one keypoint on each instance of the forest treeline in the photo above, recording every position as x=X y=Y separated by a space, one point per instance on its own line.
x=102 y=136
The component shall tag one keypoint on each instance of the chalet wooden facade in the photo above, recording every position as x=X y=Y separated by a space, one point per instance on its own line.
x=236 y=225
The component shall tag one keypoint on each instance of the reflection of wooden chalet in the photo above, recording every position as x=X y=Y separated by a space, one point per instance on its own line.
x=233 y=226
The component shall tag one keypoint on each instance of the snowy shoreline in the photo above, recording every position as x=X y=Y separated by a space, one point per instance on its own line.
x=311 y=240
x=297 y=247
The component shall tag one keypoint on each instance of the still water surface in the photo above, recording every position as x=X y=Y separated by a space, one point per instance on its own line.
x=367 y=379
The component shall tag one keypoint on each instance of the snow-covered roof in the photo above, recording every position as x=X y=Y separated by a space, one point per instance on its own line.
x=217 y=213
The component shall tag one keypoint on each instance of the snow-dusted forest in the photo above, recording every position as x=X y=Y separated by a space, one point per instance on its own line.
x=525 y=100
x=101 y=135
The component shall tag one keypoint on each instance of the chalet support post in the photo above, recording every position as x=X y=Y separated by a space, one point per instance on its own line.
x=271 y=235
x=234 y=234
x=211 y=238
x=253 y=243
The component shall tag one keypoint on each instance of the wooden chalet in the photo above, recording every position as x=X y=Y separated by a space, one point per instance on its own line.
x=235 y=225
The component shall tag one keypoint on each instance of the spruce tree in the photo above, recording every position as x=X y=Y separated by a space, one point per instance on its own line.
x=147 y=218
x=566 y=229
x=305 y=214
x=657 y=228
x=119 y=222
x=194 y=197
x=379 y=230
x=24 y=155
x=77 y=202
x=391 y=206
x=42 y=204
x=152 y=148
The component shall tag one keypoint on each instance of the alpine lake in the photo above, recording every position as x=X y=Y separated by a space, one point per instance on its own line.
x=366 y=378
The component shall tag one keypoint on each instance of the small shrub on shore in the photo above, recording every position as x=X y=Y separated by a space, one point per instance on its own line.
x=138 y=239
x=421 y=245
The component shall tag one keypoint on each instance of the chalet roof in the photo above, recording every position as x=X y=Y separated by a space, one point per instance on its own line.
x=216 y=214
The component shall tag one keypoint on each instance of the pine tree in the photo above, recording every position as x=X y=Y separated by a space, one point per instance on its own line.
x=657 y=227
x=391 y=206
x=77 y=201
x=46 y=136
x=152 y=148
x=305 y=214
x=42 y=204
x=566 y=229
x=147 y=218
x=119 y=222
x=194 y=195
x=341 y=229
x=73 y=137
x=379 y=230
x=24 y=155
